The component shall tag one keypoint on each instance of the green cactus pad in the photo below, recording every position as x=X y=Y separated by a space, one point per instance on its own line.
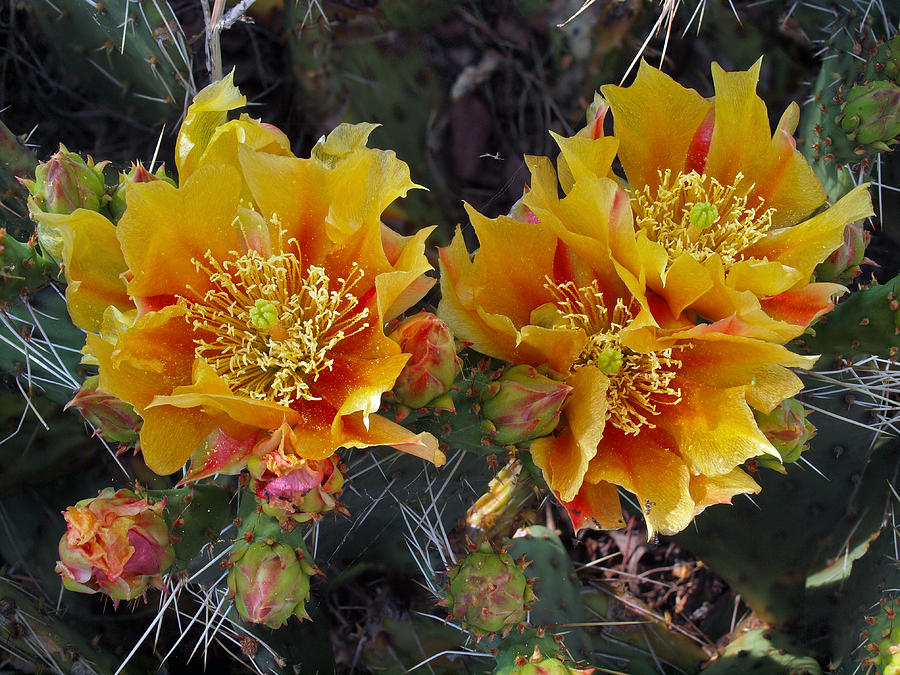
x=766 y=652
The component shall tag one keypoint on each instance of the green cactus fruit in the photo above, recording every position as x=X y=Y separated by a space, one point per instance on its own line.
x=428 y=376
x=871 y=113
x=539 y=664
x=843 y=263
x=865 y=322
x=522 y=405
x=137 y=174
x=270 y=582
x=114 y=419
x=488 y=592
x=23 y=267
x=788 y=429
x=881 y=642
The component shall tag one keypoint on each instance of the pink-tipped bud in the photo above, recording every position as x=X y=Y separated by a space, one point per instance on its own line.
x=433 y=364
x=787 y=429
x=522 y=405
x=62 y=184
x=270 y=582
x=289 y=486
x=137 y=174
x=67 y=182
x=116 y=543
x=843 y=264
x=114 y=419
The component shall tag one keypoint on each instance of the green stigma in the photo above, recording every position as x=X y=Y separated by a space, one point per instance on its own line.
x=703 y=215
x=263 y=314
x=609 y=361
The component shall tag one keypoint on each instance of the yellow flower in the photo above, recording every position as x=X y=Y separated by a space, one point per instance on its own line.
x=253 y=295
x=720 y=206
x=664 y=414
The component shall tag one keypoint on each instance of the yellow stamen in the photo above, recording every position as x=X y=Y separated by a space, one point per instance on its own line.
x=267 y=329
x=638 y=382
x=694 y=213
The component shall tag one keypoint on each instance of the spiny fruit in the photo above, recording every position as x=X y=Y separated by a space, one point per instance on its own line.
x=541 y=665
x=489 y=592
x=881 y=646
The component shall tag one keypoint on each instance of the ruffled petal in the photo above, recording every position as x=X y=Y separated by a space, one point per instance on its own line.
x=164 y=230
x=709 y=490
x=655 y=119
x=596 y=506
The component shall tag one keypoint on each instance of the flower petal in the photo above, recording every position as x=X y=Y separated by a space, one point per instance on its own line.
x=164 y=230
x=709 y=490
x=643 y=114
x=596 y=506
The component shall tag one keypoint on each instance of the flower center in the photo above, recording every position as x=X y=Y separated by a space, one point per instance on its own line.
x=267 y=329
x=638 y=382
x=694 y=213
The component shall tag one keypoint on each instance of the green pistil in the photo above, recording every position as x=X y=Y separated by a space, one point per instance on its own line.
x=609 y=361
x=703 y=215
x=263 y=314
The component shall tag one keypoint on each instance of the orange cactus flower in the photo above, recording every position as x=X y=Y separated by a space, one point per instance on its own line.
x=721 y=206
x=253 y=295
x=666 y=414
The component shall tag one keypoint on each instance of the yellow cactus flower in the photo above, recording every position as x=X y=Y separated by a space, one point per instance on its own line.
x=724 y=212
x=666 y=414
x=253 y=295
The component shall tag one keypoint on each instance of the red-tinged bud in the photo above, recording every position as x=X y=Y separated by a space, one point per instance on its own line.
x=137 y=174
x=871 y=113
x=522 y=405
x=488 y=592
x=270 y=582
x=114 y=419
x=596 y=114
x=541 y=665
x=62 y=184
x=433 y=364
x=843 y=264
x=116 y=543
x=289 y=486
x=787 y=429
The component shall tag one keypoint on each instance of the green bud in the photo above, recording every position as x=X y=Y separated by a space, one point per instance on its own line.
x=488 y=592
x=270 y=582
x=522 y=405
x=787 y=429
x=871 y=113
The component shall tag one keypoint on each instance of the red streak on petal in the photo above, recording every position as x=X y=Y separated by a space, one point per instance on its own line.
x=698 y=152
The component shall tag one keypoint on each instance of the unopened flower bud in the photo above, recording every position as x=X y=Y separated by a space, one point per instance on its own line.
x=433 y=364
x=290 y=486
x=522 y=405
x=114 y=419
x=137 y=174
x=539 y=664
x=488 y=592
x=270 y=582
x=116 y=543
x=787 y=429
x=62 y=184
x=871 y=113
x=843 y=264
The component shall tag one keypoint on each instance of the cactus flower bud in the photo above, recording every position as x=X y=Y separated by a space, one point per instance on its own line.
x=270 y=582
x=522 y=405
x=63 y=184
x=488 y=592
x=541 y=665
x=114 y=419
x=433 y=364
x=116 y=543
x=871 y=113
x=843 y=263
x=787 y=429
x=137 y=174
x=287 y=485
